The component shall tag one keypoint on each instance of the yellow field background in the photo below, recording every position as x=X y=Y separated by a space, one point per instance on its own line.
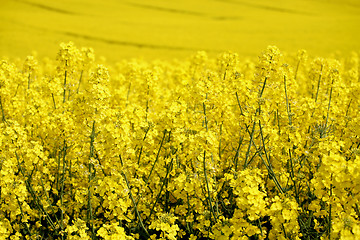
x=163 y=29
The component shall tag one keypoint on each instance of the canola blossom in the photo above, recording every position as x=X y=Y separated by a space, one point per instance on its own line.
x=207 y=148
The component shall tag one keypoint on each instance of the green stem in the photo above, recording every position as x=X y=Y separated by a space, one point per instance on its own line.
x=81 y=74
x=347 y=109
x=168 y=169
x=22 y=216
x=216 y=196
x=329 y=219
x=205 y=121
x=287 y=102
x=34 y=196
x=29 y=78
x=249 y=147
x=268 y=163
x=263 y=87
x=58 y=171
x=157 y=158
x=347 y=112
x=328 y=111
x=297 y=68
x=220 y=141
x=141 y=149
x=357 y=210
x=52 y=95
x=153 y=166
x=62 y=190
x=292 y=175
x=208 y=189
x=64 y=94
x=278 y=120
x=135 y=204
x=236 y=158
x=238 y=101
x=128 y=93
x=189 y=225
x=263 y=142
x=224 y=77
x=48 y=200
x=2 y=112
x=318 y=86
x=90 y=212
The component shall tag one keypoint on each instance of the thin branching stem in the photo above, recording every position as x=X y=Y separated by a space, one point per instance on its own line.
x=53 y=98
x=205 y=120
x=58 y=171
x=168 y=170
x=152 y=168
x=292 y=175
x=22 y=216
x=29 y=80
x=48 y=200
x=330 y=212
x=208 y=189
x=220 y=133
x=268 y=163
x=91 y=155
x=347 y=109
x=157 y=158
x=33 y=194
x=287 y=102
x=135 y=204
x=128 y=93
x=263 y=87
x=141 y=149
x=2 y=111
x=215 y=185
x=81 y=75
x=318 y=86
x=278 y=121
x=249 y=147
x=236 y=158
x=264 y=145
x=64 y=94
x=62 y=190
x=357 y=210
x=328 y=110
x=297 y=69
x=239 y=104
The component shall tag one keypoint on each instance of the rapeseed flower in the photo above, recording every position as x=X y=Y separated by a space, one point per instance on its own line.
x=219 y=148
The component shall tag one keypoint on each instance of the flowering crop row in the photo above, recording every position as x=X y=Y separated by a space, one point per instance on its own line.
x=200 y=149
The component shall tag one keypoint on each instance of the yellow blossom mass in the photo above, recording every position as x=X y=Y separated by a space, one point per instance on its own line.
x=205 y=148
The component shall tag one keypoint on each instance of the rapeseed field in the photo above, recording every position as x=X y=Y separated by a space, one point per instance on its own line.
x=208 y=148
x=156 y=29
x=206 y=121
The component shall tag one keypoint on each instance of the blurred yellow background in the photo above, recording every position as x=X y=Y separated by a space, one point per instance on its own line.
x=168 y=29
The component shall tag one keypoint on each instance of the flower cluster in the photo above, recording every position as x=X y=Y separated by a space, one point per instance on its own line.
x=200 y=149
